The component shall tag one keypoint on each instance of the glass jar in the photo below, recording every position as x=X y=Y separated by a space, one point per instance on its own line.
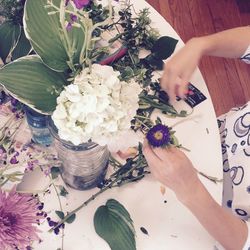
x=83 y=166
x=38 y=126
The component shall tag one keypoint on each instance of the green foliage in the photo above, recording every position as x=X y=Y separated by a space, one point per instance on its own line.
x=164 y=47
x=12 y=10
x=48 y=38
x=22 y=48
x=9 y=36
x=114 y=224
x=13 y=43
x=32 y=83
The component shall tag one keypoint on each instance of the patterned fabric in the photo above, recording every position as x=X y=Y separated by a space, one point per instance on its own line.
x=234 y=129
x=246 y=55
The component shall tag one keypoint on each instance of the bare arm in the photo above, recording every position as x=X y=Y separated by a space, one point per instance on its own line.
x=172 y=168
x=230 y=43
x=179 y=69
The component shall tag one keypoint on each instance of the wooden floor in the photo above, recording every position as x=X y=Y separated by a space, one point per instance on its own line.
x=228 y=80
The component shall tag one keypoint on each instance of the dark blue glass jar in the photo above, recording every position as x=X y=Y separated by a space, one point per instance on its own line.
x=38 y=125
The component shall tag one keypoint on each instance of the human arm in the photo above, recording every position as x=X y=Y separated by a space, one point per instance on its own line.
x=178 y=70
x=172 y=168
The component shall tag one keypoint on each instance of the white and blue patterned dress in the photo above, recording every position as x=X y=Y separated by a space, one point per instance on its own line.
x=235 y=138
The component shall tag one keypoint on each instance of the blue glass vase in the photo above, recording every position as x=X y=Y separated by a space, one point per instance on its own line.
x=82 y=167
x=38 y=126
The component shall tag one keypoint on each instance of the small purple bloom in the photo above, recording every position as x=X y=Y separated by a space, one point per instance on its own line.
x=73 y=17
x=81 y=3
x=13 y=160
x=66 y=2
x=69 y=27
x=14 y=101
x=158 y=136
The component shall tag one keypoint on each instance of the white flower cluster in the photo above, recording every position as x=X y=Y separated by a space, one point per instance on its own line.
x=97 y=106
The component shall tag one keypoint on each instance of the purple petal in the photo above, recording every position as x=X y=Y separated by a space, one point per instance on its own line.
x=73 y=17
x=69 y=27
x=81 y=3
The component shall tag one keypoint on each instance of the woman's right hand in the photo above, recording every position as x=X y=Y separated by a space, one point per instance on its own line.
x=179 y=69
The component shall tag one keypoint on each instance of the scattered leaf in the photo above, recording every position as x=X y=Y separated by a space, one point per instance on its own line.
x=114 y=224
x=63 y=191
x=71 y=218
x=60 y=214
x=164 y=47
x=55 y=171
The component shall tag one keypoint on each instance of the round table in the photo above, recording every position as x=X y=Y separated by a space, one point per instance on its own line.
x=168 y=223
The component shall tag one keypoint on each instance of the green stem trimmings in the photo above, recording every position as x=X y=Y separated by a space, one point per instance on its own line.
x=122 y=172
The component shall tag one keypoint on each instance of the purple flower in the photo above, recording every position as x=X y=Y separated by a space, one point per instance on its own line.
x=81 y=3
x=17 y=219
x=13 y=160
x=66 y=2
x=158 y=136
x=69 y=27
x=73 y=17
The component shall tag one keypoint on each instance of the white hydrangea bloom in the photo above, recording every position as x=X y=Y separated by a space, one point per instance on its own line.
x=97 y=106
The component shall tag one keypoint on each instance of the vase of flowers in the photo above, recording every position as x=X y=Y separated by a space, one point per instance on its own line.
x=65 y=76
x=83 y=166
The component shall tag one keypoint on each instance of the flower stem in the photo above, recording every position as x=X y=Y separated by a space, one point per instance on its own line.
x=109 y=186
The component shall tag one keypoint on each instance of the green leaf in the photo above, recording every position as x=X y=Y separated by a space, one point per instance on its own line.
x=114 y=224
x=60 y=214
x=32 y=83
x=63 y=191
x=71 y=218
x=22 y=48
x=47 y=37
x=154 y=61
x=9 y=35
x=55 y=171
x=164 y=47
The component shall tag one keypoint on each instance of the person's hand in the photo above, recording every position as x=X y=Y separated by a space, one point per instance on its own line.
x=173 y=169
x=179 y=69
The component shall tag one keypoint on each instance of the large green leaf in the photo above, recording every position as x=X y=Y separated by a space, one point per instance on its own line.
x=9 y=35
x=46 y=35
x=164 y=47
x=31 y=82
x=22 y=48
x=114 y=224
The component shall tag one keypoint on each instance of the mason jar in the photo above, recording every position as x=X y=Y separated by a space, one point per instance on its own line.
x=83 y=166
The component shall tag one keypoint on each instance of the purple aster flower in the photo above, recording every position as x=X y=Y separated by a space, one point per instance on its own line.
x=17 y=219
x=158 y=136
x=81 y=3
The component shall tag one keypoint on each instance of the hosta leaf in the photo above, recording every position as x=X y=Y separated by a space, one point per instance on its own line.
x=31 y=82
x=22 y=48
x=46 y=35
x=9 y=35
x=114 y=224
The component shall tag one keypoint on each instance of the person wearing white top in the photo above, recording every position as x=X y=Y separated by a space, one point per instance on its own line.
x=228 y=224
